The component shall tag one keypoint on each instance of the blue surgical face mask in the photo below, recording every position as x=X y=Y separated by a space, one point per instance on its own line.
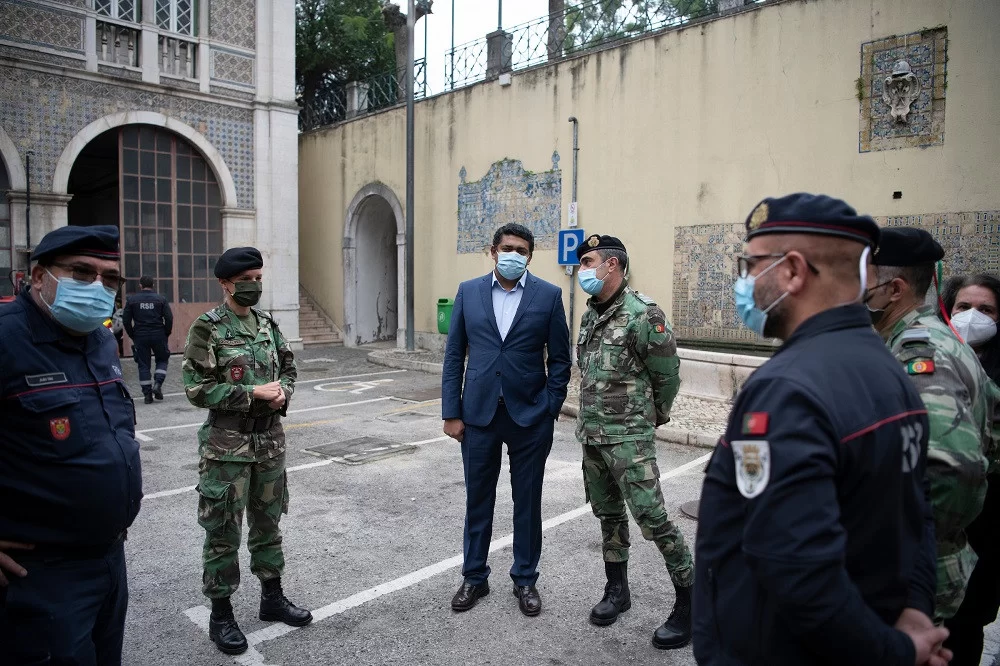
x=746 y=307
x=511 y=265
x=589 y=281
x=81 y=306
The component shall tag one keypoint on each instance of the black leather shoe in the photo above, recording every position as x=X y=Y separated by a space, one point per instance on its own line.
x=468 y=595
x=275 y=607
x=226 y=634
x=528 y=600
x=676 y=631
x=617 y=598
x=148 y=398
x=158 y=391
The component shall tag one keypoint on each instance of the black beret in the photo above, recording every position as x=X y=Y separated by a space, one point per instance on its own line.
x=236 y=260
x=99 y=241
x=599 y=242
x=804 y=213
x=907 y=246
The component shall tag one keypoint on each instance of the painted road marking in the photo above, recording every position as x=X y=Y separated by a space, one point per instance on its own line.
x=354 y=386
x=321 y=379
x=277 y=630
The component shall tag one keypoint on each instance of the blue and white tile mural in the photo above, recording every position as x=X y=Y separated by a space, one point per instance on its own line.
x=509 y=193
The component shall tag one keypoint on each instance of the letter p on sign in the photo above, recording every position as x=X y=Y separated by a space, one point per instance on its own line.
x=569 y=240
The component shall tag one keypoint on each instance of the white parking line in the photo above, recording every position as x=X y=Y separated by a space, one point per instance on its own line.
x=273 y=631
x=296 y=468
x=322 y=379
x=291 y=411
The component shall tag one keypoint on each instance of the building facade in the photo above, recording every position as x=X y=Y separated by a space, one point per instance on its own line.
x=174 y=119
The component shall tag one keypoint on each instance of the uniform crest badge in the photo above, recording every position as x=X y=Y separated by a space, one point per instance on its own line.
x=920 y=367
x=236 y=373
x=753 y=466
x=759 y=215
x=59 y=428
x=594 y=241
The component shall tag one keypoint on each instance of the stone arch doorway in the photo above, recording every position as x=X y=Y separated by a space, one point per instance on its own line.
x=374 y=254
x=163 y=195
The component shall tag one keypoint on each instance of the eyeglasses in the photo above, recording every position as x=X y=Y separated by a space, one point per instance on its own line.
x=746 y=262
x=87 y=274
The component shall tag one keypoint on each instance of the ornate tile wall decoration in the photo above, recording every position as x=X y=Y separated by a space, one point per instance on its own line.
x=508 y=193
x=40 y=56
x=233 y=22
x=222 y=91
x=232 y=67
x=44 y=112
x=926 y=54
x=705 y=267
x=41 y=26
x=119 y=72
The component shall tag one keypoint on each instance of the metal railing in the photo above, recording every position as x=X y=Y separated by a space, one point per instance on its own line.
x=117 y=44
x=339 y=101
x=178 y=57
x=577 y=28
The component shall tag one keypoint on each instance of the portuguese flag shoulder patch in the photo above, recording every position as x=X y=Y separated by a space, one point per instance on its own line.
x=755 y=423
x=921 y=366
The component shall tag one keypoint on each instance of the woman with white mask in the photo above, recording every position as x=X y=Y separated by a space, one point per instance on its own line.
x=972 y=303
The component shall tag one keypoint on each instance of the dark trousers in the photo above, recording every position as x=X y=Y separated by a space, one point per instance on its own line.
x=142 y=346
x=982 y=597
x=65 y=612
x=527 y=449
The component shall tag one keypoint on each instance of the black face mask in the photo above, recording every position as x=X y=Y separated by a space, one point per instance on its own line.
x=876 y=314
x=247 y=294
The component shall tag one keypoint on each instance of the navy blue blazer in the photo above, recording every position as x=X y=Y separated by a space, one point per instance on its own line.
x=517 y=364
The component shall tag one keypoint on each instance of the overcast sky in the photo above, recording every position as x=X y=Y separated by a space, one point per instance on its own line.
x=473 y=19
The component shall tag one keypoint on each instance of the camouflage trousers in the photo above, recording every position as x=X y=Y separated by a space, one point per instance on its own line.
x=626 y=473
x=953 y=573
x=225 y=490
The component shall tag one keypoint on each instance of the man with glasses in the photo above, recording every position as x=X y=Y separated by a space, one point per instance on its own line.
x=70 y=475
x=815 y=538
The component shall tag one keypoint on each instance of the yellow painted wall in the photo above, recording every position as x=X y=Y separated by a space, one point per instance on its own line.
x=692 y=126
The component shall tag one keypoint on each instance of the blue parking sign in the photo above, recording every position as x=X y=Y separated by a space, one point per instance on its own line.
x=569 y=240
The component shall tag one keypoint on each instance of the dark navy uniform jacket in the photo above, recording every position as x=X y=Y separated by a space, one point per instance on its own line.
x=147 y=314
x=69 y=462
x=814 y=528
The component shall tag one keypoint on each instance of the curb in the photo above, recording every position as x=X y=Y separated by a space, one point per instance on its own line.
x=664 y=433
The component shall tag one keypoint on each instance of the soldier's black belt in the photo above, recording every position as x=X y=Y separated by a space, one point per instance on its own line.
x=241 y=422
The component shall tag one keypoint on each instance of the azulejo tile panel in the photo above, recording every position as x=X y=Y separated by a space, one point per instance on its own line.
x=232 y=67
x=508 y=193
x=40 y=56
x=926 y=53
x=705 y=267
x=40 y=26
x=233 y=22
x=43 y=112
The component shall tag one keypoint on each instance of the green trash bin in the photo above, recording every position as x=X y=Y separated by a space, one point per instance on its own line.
x=445 y=306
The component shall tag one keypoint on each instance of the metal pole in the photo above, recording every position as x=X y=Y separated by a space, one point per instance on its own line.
x=410 y=23
x=425 y=48
x=499 y=14
x=572 y=275
x=27 y=200
x=452 y=52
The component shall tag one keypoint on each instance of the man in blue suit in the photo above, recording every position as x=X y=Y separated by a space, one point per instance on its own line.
x=505 y=321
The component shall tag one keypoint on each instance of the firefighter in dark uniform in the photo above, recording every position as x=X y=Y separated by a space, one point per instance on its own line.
x=70 y=476
x=148 y=322
x=815 y=538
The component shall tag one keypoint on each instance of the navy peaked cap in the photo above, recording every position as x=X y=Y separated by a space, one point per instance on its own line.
x=804 y=213
x=236 y=260
x=907 y=246
x=100 y=241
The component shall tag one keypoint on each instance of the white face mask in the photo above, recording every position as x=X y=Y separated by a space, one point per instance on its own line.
x=974 y=327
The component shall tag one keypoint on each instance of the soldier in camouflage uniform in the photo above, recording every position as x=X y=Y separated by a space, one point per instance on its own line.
x=238 y=365
x=959 y=396
x=629 y=378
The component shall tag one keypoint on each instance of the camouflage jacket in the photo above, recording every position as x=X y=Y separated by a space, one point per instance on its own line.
x=222 y=364
x=628 y=368
x=961 y=401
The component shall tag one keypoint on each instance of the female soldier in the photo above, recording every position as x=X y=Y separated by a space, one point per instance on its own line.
x=237 y=364
x=972 y=303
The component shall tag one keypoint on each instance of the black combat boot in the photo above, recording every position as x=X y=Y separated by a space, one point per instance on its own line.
x=274 y=607
x=616 y=599
x=157 y=390
x=676 y=631
x=223 y=630
x=147 y=398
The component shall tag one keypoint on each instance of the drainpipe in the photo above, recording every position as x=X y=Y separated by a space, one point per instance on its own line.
x=571 y=271
x=410 y=324
x=27 y=200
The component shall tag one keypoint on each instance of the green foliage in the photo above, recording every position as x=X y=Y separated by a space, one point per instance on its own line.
x=337 y=41
x=589 y=23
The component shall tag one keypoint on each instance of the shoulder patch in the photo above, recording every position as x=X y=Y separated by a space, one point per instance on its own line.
x=211 y=316
x=911 y=335
x=755 y=423
x=920 y=366
x=263 y=313
x=753 y=466
x=645 y=299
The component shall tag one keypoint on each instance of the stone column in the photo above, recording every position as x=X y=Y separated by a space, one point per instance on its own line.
x=357 y=98
x=149 y=49
x=48 y=212
x=557 y=28
x=726 y=6
x=499 y=53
